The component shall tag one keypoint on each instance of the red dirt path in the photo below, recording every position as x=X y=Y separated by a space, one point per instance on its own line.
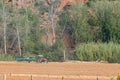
x=87 y=70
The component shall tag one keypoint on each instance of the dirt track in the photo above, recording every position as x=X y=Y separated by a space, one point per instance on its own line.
x=69 y=69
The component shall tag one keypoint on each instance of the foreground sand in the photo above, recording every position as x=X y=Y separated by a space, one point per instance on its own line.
x=58 y=71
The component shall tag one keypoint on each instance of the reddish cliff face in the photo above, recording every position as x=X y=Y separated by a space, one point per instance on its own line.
x=8 y=1
x=64 y=3
x=22 y=3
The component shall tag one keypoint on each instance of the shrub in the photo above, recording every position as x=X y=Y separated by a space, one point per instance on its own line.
x=118 y=77
x=7 y=57
x=52 y=53
x=98 y=51
x=81 y=21
x=108 y=20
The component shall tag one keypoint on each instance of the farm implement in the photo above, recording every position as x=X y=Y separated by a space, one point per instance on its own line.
x=39 y=59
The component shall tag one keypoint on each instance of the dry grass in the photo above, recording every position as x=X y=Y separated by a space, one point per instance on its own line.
x=59 y=71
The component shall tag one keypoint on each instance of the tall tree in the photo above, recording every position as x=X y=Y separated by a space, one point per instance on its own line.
x=4 y=24
x=52 y=16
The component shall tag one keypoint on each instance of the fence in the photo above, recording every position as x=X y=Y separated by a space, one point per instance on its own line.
x=13 y=76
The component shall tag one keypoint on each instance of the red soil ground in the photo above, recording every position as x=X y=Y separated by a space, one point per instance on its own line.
x=58 y=71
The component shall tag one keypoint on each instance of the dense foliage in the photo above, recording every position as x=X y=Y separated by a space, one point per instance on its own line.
x=94 y=27
x=98 y=52
x=108 y=15
x=97 y=22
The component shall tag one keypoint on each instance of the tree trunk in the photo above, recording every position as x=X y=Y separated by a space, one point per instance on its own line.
x=19 y=45
x=4 y=25
x=51 y=16
x=17 y=27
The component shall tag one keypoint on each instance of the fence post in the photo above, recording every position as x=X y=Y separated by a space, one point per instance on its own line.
x=64 y=55
x=97 y=78
x=4 y=76
x=62 y=78
x=31 y=77
x=10 y=74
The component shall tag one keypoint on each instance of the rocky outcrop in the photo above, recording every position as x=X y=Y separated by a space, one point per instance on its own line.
x=21 y=3
x=64 y=3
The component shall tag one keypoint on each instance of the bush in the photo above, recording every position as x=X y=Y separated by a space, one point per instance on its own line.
x=81 y=21
x=7 y=57
x=54 y=56
x=118 y=77
x=98 y=51
x=75 y=21
x=108 y=19
x=52 y=53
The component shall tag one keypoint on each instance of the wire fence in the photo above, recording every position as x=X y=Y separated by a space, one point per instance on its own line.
x=12 y=76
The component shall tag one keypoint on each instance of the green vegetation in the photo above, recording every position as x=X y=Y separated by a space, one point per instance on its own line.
x=94 y=28
x=98 y=52
x=118 y=77
x=4 y=57
x=108 y=19
x=98 y=22
x=54 y=53
x=76 y=22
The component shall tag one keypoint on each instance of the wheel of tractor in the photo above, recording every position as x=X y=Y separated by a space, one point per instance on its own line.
x=29 y=61
x=38 y=60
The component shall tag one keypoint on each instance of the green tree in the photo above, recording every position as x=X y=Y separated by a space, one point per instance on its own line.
x=108 y=15
x=76 y=22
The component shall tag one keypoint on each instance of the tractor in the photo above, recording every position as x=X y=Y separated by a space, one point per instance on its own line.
x=38 y=59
